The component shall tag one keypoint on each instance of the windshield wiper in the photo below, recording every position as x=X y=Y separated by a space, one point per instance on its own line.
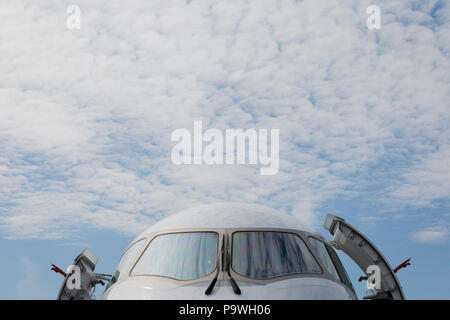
x=234 y=285
x=213 y=282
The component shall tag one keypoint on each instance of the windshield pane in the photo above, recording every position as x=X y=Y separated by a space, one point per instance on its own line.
x=181 y=256
x=267 y=254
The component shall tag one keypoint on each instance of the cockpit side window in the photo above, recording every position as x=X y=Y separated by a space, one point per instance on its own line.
x=323 y=255
x=180 y=256
x=330 y=260
x=339 y=267
x=126 y=261
x=268 y=254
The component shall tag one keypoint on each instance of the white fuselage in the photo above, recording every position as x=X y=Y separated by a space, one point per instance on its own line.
x=291 y=289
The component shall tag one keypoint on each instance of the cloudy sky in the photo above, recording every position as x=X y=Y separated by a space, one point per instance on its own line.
x=86 y=117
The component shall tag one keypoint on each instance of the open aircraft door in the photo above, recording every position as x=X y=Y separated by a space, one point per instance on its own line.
x=366 y=256
x=80 y=282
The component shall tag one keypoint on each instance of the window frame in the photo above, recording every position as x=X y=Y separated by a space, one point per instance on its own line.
x=241 y=277
x=328 y=247
x=131 y=266
x=323 y=262
x=187 y=281
x=226 y=234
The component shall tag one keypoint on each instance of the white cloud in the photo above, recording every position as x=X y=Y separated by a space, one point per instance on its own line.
x=426 y=181
x=435 y=234
x=86 y=115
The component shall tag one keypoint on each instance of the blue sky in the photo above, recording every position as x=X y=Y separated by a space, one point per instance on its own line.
x=86 y=117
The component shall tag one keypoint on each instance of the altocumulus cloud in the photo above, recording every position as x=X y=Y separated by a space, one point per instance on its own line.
x=86 y=115
x=435 y=234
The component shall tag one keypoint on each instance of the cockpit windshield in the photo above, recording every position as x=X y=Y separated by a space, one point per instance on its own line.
x=268 y=254
x=180 y=256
